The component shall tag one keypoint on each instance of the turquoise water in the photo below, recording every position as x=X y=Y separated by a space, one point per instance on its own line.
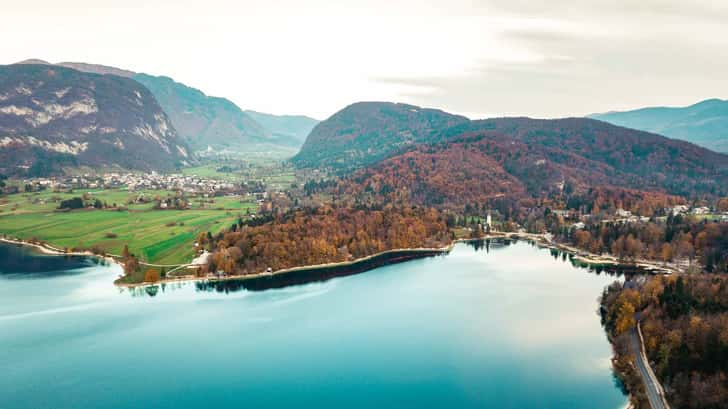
x=512 y=327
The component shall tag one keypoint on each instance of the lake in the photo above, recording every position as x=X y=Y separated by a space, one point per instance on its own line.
x=502 y=325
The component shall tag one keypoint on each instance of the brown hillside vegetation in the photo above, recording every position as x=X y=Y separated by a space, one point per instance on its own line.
x=478 y=168
x=685 y=327
x=324 y=235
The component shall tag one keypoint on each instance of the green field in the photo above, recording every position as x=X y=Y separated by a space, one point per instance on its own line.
x=210 y=172
x=156 y=236
x=275 y=175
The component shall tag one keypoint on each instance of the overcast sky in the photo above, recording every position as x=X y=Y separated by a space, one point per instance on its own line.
x=479 y=58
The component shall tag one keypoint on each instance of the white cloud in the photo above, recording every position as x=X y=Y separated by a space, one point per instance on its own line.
x=495 y=57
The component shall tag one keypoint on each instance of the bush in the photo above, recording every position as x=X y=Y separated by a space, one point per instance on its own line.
x=151 y=276
x=75 y=203
x=111 y=235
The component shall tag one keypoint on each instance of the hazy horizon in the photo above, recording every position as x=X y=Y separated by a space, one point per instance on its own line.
x=479 y=59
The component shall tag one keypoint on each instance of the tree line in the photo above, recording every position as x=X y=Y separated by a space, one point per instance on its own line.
x=684 y=321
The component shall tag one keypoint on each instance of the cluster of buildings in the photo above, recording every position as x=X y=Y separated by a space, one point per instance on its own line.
x=684 y=210
x=134 y=182
x=625 y=216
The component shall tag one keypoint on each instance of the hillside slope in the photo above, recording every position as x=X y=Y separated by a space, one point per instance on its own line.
x=203 y=120
x=366 y=132
x=522 y=157
x=53 y=116
x=211 y=122
x=704 y=123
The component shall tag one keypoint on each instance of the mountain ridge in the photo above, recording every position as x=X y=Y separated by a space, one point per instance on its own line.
x=502 y=156
x=52 y=115
x=704 y=123
x=208 y=121
x=365 y=132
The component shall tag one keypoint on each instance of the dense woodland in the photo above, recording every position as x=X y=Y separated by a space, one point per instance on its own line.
x=675 y=239
x=485 y=166
x=323 y=235
x=684 y=322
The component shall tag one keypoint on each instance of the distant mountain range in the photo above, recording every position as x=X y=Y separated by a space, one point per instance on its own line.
x=286 y=129
x=432 y=156
x=704 y=123
x=52 y=117
x=205 y=121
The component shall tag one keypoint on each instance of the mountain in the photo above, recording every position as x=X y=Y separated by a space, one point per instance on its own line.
x=291 y=129
x=97 y=69
x=366 y=132
x=85 y=67
x=53 y=116
x=476 y=161
x=206 y=121
x=704 y=123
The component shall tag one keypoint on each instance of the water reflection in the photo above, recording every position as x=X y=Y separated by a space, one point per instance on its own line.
x=301 y=277
x=23 y=262
x=307 y=276
x=616 y=270
x=473 y=329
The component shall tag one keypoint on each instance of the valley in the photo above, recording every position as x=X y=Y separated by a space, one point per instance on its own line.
x=178 y=187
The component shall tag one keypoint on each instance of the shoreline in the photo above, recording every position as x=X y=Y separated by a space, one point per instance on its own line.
x=425 y=252
x=538 y=239
x=49 y=250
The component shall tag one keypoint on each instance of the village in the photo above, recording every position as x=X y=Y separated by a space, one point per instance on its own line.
x=134 y=182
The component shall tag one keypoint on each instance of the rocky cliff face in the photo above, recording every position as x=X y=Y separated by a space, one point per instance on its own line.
x=203 y=121
x=52 y=116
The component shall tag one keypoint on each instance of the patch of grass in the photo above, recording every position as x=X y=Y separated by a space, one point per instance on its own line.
x=209 y=172
x=156 y=236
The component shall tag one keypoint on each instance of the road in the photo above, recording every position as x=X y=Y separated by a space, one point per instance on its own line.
x=654 y=391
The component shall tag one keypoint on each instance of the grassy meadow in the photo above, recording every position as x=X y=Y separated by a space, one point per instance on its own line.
x=156 y=236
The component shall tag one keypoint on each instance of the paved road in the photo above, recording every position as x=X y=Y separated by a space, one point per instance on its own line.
x=652 y=385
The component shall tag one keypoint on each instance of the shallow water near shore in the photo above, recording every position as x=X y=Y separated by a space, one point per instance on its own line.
x=500 y=325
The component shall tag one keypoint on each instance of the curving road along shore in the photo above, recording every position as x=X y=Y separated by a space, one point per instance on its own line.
x=655 y=393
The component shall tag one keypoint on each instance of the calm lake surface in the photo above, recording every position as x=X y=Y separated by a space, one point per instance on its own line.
x=512 y=326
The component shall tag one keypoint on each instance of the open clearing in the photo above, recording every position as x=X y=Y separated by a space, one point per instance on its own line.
x=156 y=236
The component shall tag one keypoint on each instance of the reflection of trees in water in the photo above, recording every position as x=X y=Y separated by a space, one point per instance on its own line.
x=324 y=274
x=566 y=257
x=307 y=276
x=150 y=290
x=488 y=244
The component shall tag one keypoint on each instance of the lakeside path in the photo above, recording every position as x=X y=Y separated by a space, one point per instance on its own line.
x=655 y=393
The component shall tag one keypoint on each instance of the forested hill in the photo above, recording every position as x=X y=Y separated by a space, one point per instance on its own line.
x=704 y=123
x=520 y=157
x=366 y=132
x=650 y=160
x=52 y=117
